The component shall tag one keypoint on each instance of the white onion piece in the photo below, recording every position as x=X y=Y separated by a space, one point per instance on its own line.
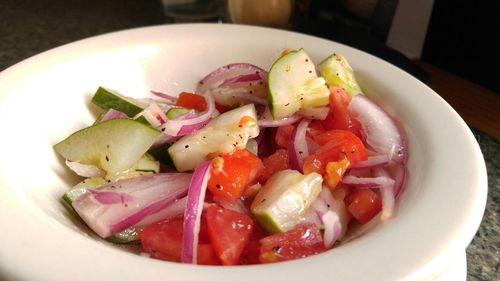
x=297 y=148
x=172 y=127
x=267 y=120
x=371 y=162
x=85 y=170
x=382 y=132
x=192 y=214
x=331 y=221
x=314 y=113
x=153 y=115
x=145 y=195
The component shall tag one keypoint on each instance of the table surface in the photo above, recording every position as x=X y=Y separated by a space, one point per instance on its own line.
x=30 y=27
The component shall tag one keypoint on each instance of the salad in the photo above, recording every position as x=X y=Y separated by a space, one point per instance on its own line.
x=253 y=167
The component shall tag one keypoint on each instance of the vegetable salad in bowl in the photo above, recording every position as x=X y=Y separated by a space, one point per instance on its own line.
x=253 y=167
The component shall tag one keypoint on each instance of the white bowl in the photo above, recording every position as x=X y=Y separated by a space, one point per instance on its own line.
x=44 y=98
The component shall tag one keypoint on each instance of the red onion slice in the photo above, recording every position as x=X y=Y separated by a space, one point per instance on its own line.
x=381 y=130
x=371 y=162
x=175 y=209
x=314 y=113
x=164 y=95
x=235 y=83
x=237 y=206
x=365 y=182
x=388 y=196
x=243 y=78
x=267 y=120
x=112 y=114
x=110 y=197
x=297 y=148
x=85 y=170
x=146 y=195
x=173 y=127
x=192 y=214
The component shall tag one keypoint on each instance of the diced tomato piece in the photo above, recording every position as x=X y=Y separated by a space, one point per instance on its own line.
x=232 y=173
x=284 y=135
x=334 y=172
x=334 y=145
x=222 y=108
x=274 y=163
x=191 y=100
x=163 y=240
x=339 y=116
x=302 y=241
x=229 y=233
x=315 y=128
x=363 y=204
x=252 y=251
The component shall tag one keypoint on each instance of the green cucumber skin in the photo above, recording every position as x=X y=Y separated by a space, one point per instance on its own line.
x=106 y=100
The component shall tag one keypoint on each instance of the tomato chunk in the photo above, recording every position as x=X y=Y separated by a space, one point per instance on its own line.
x=363 y=204
x=229 y=233
x=191 y=100
x=232 y=173
x=284 y=135
x=163 y=240
x=339 y=116
x=335 y=144
x=274 y=163
x=302 y=241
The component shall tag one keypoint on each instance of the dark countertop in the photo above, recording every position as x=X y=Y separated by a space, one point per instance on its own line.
x=30 y=27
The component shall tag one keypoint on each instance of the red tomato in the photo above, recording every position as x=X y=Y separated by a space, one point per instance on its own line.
x=334 y=145
x=222 y=108
x=274 y=163
x=191 y=100
x=163 y=240
x=252 y=251
x=229 y=233
x=284 y=135
x=232 y=173
x=339 y=116
x=363 y=204
x=302 y=241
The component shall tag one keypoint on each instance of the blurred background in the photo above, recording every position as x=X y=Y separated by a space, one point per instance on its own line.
x=450 y=45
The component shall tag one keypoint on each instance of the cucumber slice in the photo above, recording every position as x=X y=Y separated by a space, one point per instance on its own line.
x=147 y=163
x=106 y=99
x=283 y=200
x=221 y=135
x=293 y=84
x=129 y=235
x=337 y=72
x=114 y=145
x=176 y=112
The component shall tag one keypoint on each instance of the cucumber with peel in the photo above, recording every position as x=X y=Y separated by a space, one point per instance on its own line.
x=114 y=145
x=282 y=202
x=337 y=72
x=223 y=134
x=294 y=84
x=107 y=99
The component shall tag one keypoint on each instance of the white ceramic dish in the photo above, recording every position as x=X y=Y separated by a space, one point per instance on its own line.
x=46 y=97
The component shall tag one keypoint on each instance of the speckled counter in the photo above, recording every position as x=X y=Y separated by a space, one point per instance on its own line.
x=30 y=27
